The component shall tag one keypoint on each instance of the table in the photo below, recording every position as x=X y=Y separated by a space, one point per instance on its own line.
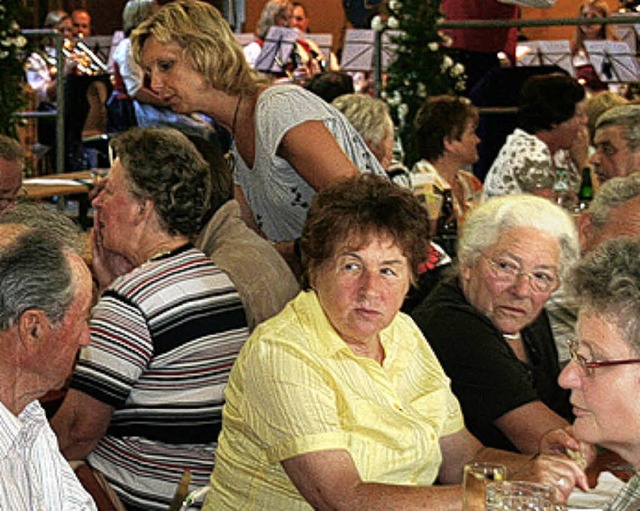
x=70 y=184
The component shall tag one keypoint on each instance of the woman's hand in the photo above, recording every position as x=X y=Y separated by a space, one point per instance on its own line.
x=560 y=472
x=106 y=265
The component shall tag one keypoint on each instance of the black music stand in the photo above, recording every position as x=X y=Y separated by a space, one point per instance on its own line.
x=613 y=61
x=277 y=50
x=546 y=53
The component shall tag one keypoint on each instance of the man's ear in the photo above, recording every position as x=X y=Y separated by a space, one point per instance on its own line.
x=584 y=223
x=33 y=328
x=145 y=209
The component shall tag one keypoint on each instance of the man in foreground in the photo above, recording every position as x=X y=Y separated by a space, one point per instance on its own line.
x=45 y=292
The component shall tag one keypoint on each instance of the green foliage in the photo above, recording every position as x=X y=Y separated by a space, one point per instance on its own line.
x=13 y=47
x=422 y=68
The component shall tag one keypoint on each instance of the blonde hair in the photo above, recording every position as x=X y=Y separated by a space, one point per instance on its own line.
x=605 y=30
x=207 y=42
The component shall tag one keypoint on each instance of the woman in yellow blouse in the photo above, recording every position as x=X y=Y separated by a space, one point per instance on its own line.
x=338 y=402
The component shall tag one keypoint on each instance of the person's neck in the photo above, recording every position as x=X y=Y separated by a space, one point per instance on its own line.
x=549 y=139
x=234 y=111
x=448 y=168
x=17 y=390
x=159 y=248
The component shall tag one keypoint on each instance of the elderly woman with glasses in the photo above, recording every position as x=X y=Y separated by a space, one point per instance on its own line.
x=604 y=374
x=488 y=327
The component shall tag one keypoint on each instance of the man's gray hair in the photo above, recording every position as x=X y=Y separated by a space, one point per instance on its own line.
x=611 y=195
x=485 y=224
x=607 y=282
x=34 y=274
x=56 y=224
x=627 y=116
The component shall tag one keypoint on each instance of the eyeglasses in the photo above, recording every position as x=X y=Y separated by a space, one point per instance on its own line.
x=589 y=366
x=508 y=272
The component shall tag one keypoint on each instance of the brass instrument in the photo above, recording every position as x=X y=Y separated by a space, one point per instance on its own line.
x=88 y=63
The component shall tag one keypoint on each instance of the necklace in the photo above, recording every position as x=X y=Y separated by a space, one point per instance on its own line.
x=511 y=337
x=235 y=117
x=159 y=255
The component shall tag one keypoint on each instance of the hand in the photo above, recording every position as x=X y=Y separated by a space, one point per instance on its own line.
x=562 y=442
x=106 y=265
x=559 y=472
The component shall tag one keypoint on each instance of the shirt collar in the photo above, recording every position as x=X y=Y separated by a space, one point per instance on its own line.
x=12 y=427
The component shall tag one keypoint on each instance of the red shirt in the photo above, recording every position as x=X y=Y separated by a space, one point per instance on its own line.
x=485 y=40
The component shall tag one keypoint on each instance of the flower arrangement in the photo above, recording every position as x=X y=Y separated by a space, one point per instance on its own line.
x=13 y=47
x=421 y=67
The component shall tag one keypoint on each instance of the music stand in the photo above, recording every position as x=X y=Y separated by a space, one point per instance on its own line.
x=245 y=38
x=358 y=53
x=546 y=53
x=276 y=50
x=613 y=61
x=323 y=41
x=628 y=33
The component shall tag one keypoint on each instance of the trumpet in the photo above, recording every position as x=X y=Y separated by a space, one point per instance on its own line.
x=88 y=62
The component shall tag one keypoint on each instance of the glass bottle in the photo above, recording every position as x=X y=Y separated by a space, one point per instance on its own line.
x=447 y=224
x=585 y=194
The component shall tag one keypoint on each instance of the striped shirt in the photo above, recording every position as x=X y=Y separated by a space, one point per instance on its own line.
x=35 y=475
x=163 y=340
x=628 y=498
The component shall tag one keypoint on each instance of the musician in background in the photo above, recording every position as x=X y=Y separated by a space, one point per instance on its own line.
x=86 y=88
x=306 y=59
x=81 y=23
x=301 y=22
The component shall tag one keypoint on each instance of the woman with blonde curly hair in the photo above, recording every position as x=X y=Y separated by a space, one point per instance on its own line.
x=287 y=142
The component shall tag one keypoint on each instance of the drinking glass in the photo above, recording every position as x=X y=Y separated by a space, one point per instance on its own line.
x=519 y=496
x=475 y=479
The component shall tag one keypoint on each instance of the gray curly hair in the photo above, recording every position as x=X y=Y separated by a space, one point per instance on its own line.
x=607 y=281
x=163 y=165
x=485 y=224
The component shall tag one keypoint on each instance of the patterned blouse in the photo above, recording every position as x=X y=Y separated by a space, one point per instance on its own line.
x=525 y=164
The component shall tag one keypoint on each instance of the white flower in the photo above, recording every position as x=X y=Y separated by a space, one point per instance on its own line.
x=393 y=22
x=447 y=62
x=457 y=70
x=394 y=5
x=4 y=54
x=446 y=40
x=403 y=111
x=433 y=46
x=377 y=24
x=422 y=90
x=21 y=41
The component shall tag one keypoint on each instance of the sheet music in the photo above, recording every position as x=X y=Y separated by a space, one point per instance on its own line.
x=245 y=38
x=546 y=53
x=613 y=61
x=628 y=33
x=357 y=54
x=276 y=50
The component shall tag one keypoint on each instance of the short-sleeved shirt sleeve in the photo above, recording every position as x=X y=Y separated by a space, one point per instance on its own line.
x=276 y=194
